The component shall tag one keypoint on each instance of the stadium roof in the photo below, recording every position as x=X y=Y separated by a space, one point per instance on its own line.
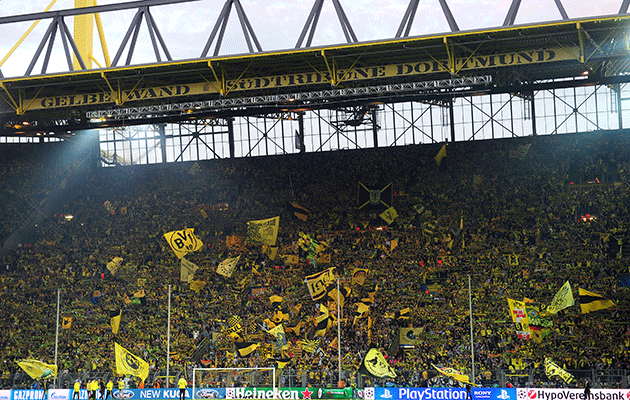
x=516 y=58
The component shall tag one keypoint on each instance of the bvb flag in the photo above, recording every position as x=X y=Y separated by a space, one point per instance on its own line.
x=590 y=301
x=38 y=369
x=264 y=231
x=375 y=365
x=440 y=155
x=562 y=299
x=183 y=242
x=66 y=323
x=187 y=271
x=552 y=370
x=455 y=374
x=227 y=266
x=129 y=364
x=318 y=282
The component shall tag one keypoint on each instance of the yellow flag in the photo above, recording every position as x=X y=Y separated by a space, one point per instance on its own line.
x=562 y=299
x=317 y=283
x=38 y=369
x=281 y=338
x=187 y=271
x=264 y=231
x=453 y=373
x=389 y=215
x=227 y=266
x=197 y=286
x=114 y=321
x=271 y=251
x=129 y=364
x=183 y=242
x=440 y=155
x=114 y=265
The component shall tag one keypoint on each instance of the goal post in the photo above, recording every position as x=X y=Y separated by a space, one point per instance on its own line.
x=214 y=378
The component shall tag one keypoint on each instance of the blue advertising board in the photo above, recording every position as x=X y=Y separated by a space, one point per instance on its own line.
x=429 y=393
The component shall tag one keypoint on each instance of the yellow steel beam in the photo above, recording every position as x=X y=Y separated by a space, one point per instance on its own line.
x=221 y=82
x=101 y=35
x=83 y=34
x=116 y=94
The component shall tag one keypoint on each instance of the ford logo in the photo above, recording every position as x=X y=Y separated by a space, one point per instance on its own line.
x=123 y=394
x=208 y=394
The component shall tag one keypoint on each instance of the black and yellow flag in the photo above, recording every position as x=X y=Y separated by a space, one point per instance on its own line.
x=281 y=338
x=280 y=362
x=295 y=329
x=183 y=242
x=130 y=364
x=455 y=374
x=114 y=321
x=335 y=296
x=358 y=276
x=362 y=311
x=299 y=211
x=321 y=322
x=66 y=323
x=38 y=369
x=275 y=301
x=318 y=283
x=553 y=370
x=375 y=198
x=375 y=365
x=264 y=231
x=590 y=301
x=246 y=348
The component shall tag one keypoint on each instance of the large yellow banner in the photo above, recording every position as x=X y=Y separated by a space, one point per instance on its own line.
x=263 y=231
x=307 y=78
x=129 y=364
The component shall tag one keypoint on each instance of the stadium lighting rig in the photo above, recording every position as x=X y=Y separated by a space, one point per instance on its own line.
x=185 y=110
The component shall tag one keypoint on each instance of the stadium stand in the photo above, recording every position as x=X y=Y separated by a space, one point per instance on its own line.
x=520 y=217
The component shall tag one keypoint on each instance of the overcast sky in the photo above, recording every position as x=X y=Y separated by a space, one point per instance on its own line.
x=277 y=24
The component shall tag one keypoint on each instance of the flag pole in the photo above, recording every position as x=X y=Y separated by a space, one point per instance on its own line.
x=57 y=337
x=168 y=338
x=338 y=336
x=472 y=343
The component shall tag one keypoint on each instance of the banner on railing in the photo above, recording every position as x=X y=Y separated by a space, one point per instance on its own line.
x=427 y=393
x=368 y=393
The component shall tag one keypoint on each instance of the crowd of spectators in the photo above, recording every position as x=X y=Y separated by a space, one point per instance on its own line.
x=517 y=217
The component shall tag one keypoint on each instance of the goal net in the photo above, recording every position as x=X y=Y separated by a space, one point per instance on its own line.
x=210 y=382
